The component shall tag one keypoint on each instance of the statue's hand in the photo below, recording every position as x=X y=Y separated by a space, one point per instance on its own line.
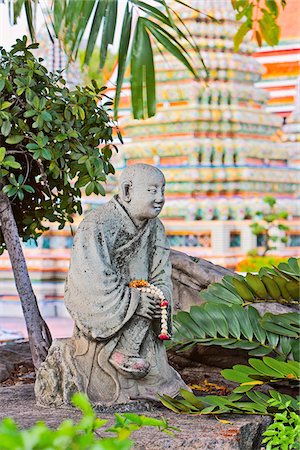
x=148 y=307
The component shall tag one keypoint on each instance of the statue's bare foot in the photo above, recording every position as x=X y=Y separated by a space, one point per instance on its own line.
x=129 y=365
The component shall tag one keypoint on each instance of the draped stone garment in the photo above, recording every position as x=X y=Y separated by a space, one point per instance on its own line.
x=109 y=251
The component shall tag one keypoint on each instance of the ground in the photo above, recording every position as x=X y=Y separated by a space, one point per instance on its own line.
x=197 y=432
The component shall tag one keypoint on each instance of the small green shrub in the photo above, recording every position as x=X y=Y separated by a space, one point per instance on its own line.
x=284 y=432
x=80 y=436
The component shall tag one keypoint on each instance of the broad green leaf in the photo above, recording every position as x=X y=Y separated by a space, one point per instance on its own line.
x=185 y=320
x=142 y=73
x=203 y=320
x=122 y=56
x=221 y=292
x=233 y=324
x=217 y=316
x=108 y=31
x=5 y=105
x=2 y=153
x=263 y=368
x=284 y=368
x=98 y=16
x=242 y=317
x=240 y=34
x=191 y=398
x=254 y=318
x=14 y=139
x=166 y=41
x=236 y=376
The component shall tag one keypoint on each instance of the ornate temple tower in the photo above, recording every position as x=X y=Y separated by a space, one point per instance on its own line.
x=219 y=148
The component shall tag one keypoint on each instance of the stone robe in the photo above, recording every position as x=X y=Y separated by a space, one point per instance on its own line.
x=110 y=251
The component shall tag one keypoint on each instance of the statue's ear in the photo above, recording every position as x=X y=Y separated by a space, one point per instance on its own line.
x=126 y=191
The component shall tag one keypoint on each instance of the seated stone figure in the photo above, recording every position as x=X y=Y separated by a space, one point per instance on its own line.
x=115 y=355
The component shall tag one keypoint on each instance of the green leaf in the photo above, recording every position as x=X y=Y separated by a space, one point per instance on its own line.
x=89 y=188
x=142 y=74
x=122 y=56
x=283 y=368
x=2 y=153
x=236 y=376
x=14 y=139
x=224 y=294
x=254 y=318
x=240 y=34
x=108 y=32
x=30 y=113
x=184 y=319
x=61 y=137
x=46 y=154
x=263 y=368
x=46 y=116
x=11 y=163
x=217 y=316
x=203 y=320
x=5 y=105
x=28 y=188
x=98 y=16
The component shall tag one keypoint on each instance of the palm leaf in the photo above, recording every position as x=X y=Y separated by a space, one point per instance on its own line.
x=236 y=327
x=212 y=404
x=122 y=56
x=96 y=24
x=142 y=73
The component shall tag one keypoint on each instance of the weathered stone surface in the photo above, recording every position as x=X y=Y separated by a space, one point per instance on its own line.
x=190 y=276
x=12 y=356
x=197 y=432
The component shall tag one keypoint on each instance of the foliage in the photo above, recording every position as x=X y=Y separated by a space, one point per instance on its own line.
x=255 y=403
x=269 y=225
x=82 y=436
x=255 y=263
x=284 y=432
x=237 y=327
x=143 y=26
x=260 y=17
x=228 y=319
x=279 y=284
x=49 y=142
x=268 y=370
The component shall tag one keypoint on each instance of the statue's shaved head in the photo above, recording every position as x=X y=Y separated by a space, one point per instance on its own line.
x=141 y=192
x=138 y=172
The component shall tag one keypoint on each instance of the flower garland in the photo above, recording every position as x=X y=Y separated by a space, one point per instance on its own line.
x=155 y=292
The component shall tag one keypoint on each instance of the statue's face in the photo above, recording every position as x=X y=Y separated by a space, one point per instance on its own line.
x=146 y=195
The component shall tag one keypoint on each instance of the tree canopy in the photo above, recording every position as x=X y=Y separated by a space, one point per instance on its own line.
x=143 y=26
x=49 y=141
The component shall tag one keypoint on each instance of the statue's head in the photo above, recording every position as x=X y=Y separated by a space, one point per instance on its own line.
x=141 y=191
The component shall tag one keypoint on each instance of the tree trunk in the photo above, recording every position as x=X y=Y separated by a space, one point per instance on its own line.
x=38 y=331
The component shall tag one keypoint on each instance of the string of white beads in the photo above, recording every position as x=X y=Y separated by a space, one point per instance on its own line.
x=155 y=292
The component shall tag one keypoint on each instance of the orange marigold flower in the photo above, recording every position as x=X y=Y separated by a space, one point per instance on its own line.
x=138 y=283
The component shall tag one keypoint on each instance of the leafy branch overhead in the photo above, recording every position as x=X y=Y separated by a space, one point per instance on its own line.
x=49 y=142
x=260 y=18
x=144 y=24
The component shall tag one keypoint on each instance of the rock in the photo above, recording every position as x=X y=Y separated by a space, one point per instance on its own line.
x=190 y=276
x=4 y=372
x=197 y=432
x=13 y=356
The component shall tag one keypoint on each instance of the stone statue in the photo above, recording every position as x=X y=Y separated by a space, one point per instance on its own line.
x=115 y=354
